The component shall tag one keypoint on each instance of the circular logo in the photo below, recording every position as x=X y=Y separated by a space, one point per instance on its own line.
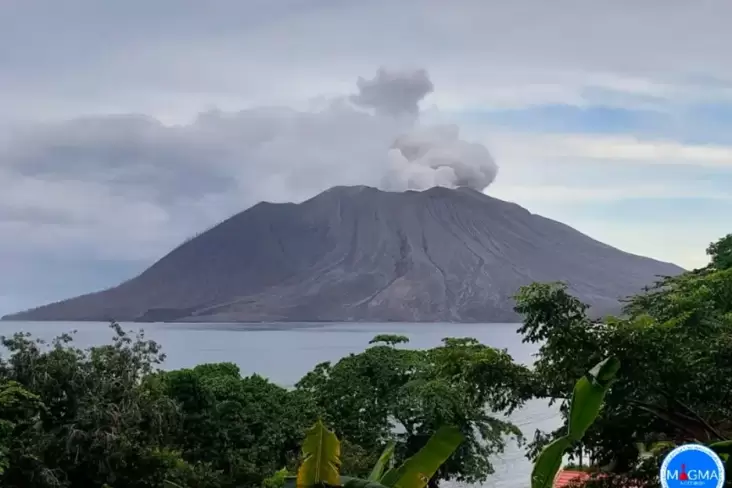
x=692 y=465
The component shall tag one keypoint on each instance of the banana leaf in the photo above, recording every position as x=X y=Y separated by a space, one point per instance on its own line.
x=420 y=468
x=378 y=470
x=588 y=395
x=721 y=447
x=321 y=458
x=549 y=462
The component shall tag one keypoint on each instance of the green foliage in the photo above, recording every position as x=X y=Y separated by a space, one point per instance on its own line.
x=700 y=298
x=367 y=397
x=389 y=339
x=84 y=418
x=19 y=410
x=548 y=462
x=320 y=465
x=277 y=480
x=378 y=470
x=356 y=459
x=420 y=468
x=108 y=416
x=244 y=428
x=321 y=458
x=589 y=393
x=720 y=253
x=673 y=343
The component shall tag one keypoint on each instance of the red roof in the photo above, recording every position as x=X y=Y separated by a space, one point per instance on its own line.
x=565 y=476
x=569 y=476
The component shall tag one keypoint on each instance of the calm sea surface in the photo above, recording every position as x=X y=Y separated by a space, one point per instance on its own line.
x=284 y=352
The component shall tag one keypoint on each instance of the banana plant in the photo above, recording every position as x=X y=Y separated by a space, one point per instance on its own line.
x=417 y=471
x=321 y=458
x=587 y=399
x=378 y=471
x=321 y=462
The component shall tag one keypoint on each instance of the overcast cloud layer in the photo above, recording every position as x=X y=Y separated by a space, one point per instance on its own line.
x=91 y=176
x=128 y=187
x=615 y=117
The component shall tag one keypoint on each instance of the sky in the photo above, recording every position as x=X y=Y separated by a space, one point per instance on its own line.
x=127 y=127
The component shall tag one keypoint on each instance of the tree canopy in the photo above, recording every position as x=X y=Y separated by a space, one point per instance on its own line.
x=369 y=396
x=720 y=253
x=109 y=417
x=673 y=342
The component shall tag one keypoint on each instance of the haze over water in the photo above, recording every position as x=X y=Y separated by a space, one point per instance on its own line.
x=285 y=352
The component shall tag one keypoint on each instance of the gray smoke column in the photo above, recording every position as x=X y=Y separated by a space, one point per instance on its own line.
x=423 y=156
x=436 y=156
x=393 y=93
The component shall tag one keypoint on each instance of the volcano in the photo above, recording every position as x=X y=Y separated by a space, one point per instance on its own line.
x=362 y=254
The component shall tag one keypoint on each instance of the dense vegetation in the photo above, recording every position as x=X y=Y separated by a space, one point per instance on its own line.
x=108 y=417
x=674 y=343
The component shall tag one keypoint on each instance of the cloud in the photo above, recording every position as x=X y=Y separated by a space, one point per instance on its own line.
x=130 y=187
x=532 y=195
x=93 y=176
x=527 y=147
x=176 y=57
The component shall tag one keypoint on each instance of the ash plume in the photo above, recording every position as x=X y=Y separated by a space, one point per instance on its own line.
x=423 y=156
x=393 y=93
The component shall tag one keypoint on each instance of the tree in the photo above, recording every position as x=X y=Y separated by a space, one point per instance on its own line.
x=243 y=428
x=19 y=411
x=84 y=418
x=721 y=253
x=389 y=393
x=673 y=342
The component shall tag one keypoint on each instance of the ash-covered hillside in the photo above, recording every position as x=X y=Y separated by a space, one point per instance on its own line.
x=361 y=254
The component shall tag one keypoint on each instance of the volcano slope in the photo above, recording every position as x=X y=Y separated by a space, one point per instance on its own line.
x=361 y=254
